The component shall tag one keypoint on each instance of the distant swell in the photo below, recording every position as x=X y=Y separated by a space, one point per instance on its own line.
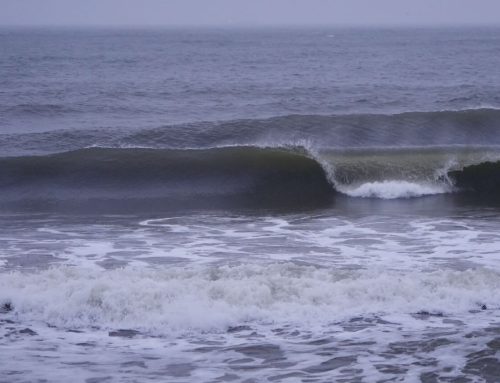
x=45 y=110
x=241 y=176
x=425 y=128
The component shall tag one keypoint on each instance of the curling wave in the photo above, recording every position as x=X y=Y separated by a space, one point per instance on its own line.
x=242 y=176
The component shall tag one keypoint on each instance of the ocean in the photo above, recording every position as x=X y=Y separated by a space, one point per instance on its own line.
x=250 y=205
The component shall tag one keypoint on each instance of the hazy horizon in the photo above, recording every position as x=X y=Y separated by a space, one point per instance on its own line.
x=259 y=13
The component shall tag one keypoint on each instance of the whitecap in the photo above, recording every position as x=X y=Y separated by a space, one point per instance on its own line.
x=395 y=189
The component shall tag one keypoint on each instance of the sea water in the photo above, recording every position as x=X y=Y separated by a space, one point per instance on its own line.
x=281 y=205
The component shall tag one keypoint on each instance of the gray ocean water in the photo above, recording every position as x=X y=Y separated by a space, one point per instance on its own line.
x=243 y=205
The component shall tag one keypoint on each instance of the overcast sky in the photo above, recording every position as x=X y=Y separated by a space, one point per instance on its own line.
x=249 y=12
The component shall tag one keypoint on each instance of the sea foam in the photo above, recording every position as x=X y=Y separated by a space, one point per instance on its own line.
x=395 y=189
x=211 y=298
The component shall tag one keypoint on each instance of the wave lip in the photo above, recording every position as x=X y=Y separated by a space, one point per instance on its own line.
x=393 y=189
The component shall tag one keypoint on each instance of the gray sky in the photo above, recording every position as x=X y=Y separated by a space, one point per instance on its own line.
x=249 y=12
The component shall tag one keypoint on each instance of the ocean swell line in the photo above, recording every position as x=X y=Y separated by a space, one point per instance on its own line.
x=241 y=176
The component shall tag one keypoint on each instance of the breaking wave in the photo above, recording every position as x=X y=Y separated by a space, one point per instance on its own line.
x=395 y=189
x=243 y=176
x=214 y=298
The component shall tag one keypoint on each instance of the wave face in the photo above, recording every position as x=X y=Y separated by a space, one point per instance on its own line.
x=483 y=178
x=241 y=176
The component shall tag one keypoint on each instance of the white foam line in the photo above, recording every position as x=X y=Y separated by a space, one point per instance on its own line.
x=210 y=298
x=394 y=189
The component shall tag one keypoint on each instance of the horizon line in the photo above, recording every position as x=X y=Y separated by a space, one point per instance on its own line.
x=251 y=25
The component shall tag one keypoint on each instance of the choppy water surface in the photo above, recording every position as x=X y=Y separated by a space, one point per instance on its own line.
x=279 y=297
x=249 y=205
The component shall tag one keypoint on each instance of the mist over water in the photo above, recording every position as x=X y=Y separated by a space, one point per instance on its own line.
x=281 y=205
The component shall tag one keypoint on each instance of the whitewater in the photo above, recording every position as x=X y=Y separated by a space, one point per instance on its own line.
x=271 y=205
x=259 y=290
